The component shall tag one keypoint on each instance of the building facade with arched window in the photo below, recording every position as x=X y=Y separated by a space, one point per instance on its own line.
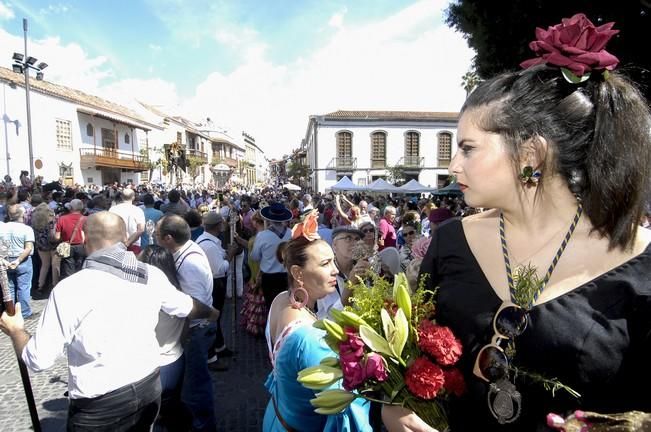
x=362 y=145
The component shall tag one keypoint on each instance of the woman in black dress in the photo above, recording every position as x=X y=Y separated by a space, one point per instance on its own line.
x=564 y=167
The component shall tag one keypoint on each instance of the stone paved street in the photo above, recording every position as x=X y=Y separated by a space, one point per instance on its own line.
x=240 y=394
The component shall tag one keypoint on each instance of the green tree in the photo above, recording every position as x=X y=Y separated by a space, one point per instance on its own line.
x=500 y=31
x=193 y=165
x=295 y=171
x=396 y=175
x=469 y=81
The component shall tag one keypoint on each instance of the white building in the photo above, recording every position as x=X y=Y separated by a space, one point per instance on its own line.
x=78 y=137
x=363 y=144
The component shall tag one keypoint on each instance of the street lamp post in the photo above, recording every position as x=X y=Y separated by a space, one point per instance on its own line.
x=22 y=64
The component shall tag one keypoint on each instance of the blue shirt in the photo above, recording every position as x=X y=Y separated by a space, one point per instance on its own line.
x=264 y=250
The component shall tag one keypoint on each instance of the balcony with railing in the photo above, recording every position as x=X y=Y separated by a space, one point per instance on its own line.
x=378 y=163
x=112 y=158
x=412 y=162
x=198 y=154
x=224 y=160
x=343 y=163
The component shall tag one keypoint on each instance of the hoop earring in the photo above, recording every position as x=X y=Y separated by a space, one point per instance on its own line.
x=298 y=304
x=530 y=176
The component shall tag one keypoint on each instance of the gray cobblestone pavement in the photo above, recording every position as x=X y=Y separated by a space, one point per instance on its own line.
x=240 y=396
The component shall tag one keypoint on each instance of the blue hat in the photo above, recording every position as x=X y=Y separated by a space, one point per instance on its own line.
x=276 y=212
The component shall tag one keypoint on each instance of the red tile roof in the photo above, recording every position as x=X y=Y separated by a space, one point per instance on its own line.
x=392 y=115
x=72 y=95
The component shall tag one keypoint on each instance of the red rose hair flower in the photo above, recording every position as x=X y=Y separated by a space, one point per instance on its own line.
x=424 y=379
x=439 y=342
x=575 y=44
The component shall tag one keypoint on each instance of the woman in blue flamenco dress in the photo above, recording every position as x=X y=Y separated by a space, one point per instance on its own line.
x=295 y=345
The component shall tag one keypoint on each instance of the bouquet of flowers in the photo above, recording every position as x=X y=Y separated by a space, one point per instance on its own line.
x=389 y=351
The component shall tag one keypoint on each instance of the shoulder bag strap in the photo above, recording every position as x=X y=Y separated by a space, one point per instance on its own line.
x=74 y=230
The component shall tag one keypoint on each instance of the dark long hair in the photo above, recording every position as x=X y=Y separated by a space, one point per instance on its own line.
x=162 y=258
x=599 y=132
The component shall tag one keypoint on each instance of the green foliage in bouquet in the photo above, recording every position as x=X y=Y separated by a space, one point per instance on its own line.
x=389 y=351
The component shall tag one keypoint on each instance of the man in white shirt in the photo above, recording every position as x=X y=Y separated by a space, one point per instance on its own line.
x=219 y=259
x=196 y=278
x=133 y=217
x=103 y=317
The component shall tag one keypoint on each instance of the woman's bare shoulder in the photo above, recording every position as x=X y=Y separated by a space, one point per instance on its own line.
x=480 y=221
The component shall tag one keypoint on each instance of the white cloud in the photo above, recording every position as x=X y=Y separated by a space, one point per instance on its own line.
x=58 y=8
x=409 y=61
x=6 y=13
x=337 y=20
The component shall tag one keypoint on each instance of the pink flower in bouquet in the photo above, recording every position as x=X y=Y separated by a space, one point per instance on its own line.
x=352 y=349
x=424 y=378
x=439 y=342
x=420 y=246
x=454 y=382
x=354 y=374
x=575 y=44
x=375 y=367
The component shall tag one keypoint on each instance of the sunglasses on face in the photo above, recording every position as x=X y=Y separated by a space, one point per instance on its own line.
x=368 y=230
x=509 y=322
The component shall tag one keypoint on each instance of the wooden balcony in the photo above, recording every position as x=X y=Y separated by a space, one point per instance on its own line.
x=224 y=160
x=199 y=154
x=111 y=158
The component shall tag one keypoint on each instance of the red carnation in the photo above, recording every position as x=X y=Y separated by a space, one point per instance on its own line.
x=424 y=378
x=454 y=382
x=439 y=342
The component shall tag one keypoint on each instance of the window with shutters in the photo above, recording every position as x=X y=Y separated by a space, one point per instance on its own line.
x=412 y=143
x=64 y=134
x=378 y=150
x=444 y=148
x=344 y=149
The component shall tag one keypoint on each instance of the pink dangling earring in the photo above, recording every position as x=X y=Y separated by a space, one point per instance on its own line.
x=298 y=304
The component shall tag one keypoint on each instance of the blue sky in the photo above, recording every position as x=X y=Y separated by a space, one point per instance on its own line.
x=203 y=58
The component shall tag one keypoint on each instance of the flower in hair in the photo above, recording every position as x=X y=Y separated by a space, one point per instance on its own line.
x=576 y=46
x=308 y=227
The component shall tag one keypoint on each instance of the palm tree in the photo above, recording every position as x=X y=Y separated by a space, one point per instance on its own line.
x=469 y=81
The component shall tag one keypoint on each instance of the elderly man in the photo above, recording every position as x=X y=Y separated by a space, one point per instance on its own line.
x=196 y=279
x=69 y=228
x=19 y=239
x=344 y=239
x=133 y=218
x=386 y=230
x=103 y=317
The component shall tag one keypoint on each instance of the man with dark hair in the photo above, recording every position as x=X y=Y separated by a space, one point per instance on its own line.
x=176 y=205
x=113 y=368
x=196 y=279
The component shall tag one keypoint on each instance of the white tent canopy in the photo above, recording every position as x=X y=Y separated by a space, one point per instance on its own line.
x=381 y=185
x=413 y=186
x=345 y=184
x=291 y=187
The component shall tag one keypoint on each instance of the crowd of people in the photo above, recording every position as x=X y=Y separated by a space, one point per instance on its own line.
x=556 y=194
